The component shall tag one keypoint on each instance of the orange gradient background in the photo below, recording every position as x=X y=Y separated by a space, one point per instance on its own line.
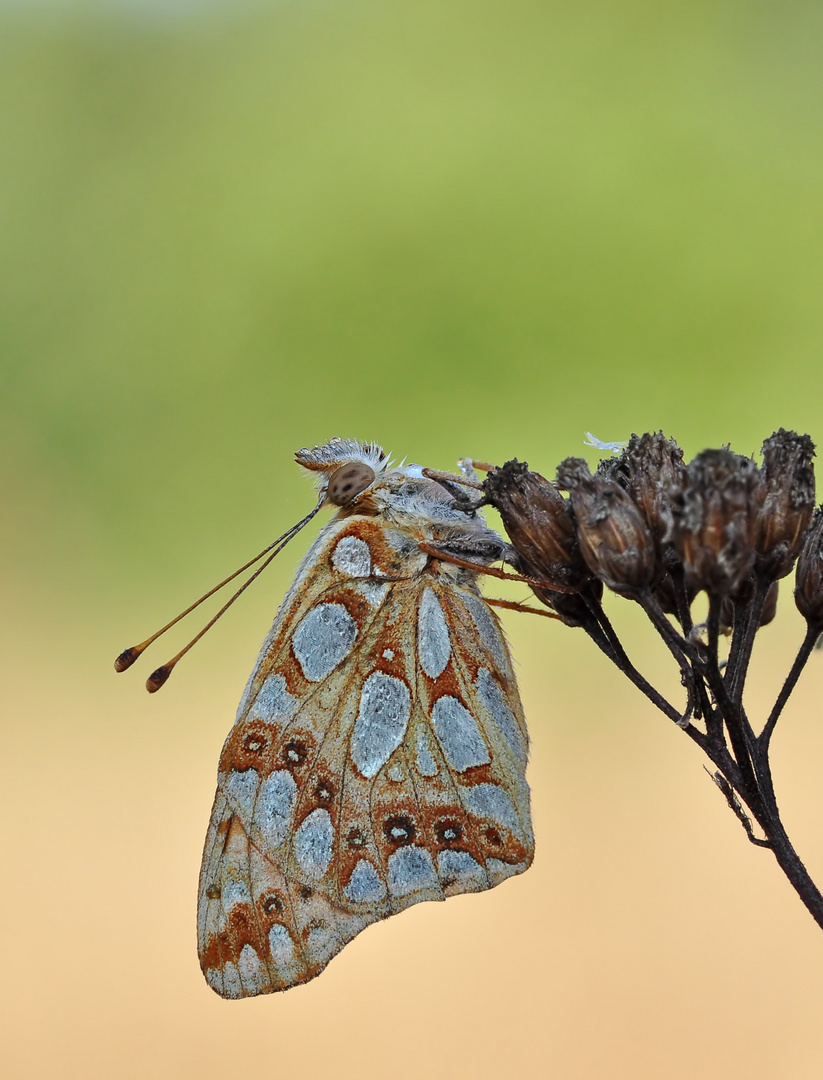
x=456 y=228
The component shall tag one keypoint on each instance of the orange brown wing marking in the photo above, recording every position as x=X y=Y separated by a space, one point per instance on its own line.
x=446 y=826
x=473 y=662
x=259 y=928
x=387 y=561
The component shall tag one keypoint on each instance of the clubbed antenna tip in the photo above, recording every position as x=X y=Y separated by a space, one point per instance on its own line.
x=126 y=658
x=158 y=678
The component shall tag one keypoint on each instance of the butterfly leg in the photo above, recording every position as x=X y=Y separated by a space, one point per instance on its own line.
x=447 y=554
x=511 y=605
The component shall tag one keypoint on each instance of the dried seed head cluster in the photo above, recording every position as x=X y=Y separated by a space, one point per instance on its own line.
x=647 y=520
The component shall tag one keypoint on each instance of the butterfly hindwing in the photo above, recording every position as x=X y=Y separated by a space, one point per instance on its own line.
x=259 y=931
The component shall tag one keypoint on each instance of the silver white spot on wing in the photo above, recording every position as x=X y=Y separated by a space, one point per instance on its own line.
x=281 y=945
x=433 y=644
x=251 y=970
x=274 y=807
x=382 y=718
x=241 y=788
x=426 y=765
x=410 y=868
x=495 y=701
x=460 y=866
x=373 y=592
x=487 y=629
x=499 y=871
x=352 y=557
x=234 y=892
x=459 y=735
x=388 y=654
x=491 y=801
x=324 y=637
x=313 y=844
x=274 y=702
x=364 y=887
x=232 y=987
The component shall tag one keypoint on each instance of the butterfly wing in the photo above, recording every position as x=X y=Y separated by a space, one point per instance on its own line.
x=378 y=760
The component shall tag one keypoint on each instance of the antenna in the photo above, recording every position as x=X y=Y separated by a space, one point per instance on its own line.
x=161 y=674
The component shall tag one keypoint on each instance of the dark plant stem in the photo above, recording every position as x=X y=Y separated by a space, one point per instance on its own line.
x=740 y=656
x=805 y=651
x=684 y=611
x=714 y=724
x=609 y=643
x=681 y=650
x=746 y=771
x=678 y=646
x=713 y=626
x=790 y=863
x=736 y=807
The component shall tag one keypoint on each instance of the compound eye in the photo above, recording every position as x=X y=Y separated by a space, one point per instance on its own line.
x=348 y=481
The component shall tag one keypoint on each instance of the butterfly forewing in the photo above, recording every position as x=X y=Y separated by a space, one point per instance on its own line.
x=379 y=754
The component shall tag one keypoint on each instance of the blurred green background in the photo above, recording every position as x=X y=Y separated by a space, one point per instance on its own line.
x=229 y=230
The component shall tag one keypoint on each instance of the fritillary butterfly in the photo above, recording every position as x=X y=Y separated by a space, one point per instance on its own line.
x=378 y=757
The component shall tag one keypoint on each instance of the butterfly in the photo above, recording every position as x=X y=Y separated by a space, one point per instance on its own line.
x=379 y=752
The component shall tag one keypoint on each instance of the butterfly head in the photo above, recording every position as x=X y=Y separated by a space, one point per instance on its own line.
x=354 y=475
x=345 y=468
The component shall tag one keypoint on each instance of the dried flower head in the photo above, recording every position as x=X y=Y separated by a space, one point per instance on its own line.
x=542 y=529
x=714 y=519
x=808 y=592
x=650 y=469
x=786 y=501
x=655 y=469
x=614 y=539
x=539 y=523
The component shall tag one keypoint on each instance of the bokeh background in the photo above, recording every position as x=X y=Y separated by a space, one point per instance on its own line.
x=480 y=227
